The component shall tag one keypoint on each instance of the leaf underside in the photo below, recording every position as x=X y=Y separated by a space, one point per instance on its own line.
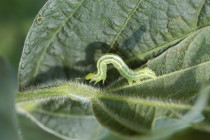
x=170 y=37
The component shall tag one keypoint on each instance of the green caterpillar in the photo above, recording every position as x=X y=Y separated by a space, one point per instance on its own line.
x=120 y=65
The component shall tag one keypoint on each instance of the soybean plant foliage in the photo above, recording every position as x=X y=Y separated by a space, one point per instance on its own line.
x=67 y=37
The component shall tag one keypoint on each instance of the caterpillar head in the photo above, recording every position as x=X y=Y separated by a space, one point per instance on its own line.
x=90 y=76
x=149 y=72
x=93 y=77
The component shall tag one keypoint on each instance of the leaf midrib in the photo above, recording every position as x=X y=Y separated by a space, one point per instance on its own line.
x=146 y=102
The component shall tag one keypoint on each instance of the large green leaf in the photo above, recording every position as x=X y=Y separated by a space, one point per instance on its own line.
x=8 y=120
x=128 y=115
x=67 y=36
x=65 y=119
x=171 y=37
x=63 y=110
x=182 y=70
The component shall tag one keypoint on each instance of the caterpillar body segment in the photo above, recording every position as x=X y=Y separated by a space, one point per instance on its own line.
x=131 y=75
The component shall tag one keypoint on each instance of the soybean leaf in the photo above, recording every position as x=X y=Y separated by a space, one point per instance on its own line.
x=67 y=37
x=8 y=120
x=112 y=110
x=67 y=121
x=182 y=70
x=63 y=110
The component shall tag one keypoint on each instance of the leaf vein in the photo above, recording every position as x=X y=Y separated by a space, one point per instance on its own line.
x=53 y=37
x=125 y=23
x=199 y=12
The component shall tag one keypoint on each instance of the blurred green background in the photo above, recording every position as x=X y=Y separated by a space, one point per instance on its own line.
x=16 y=17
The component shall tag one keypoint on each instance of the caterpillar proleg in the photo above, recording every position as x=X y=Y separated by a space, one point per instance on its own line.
x=121 y=66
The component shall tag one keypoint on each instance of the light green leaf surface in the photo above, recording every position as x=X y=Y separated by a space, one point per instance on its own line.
x=171 y=37
x=8 y=120
x=30 y=130
x=63 y=110
x=65 y=119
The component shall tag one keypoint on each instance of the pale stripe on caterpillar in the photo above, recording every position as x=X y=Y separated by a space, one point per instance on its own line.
x=121 y=66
